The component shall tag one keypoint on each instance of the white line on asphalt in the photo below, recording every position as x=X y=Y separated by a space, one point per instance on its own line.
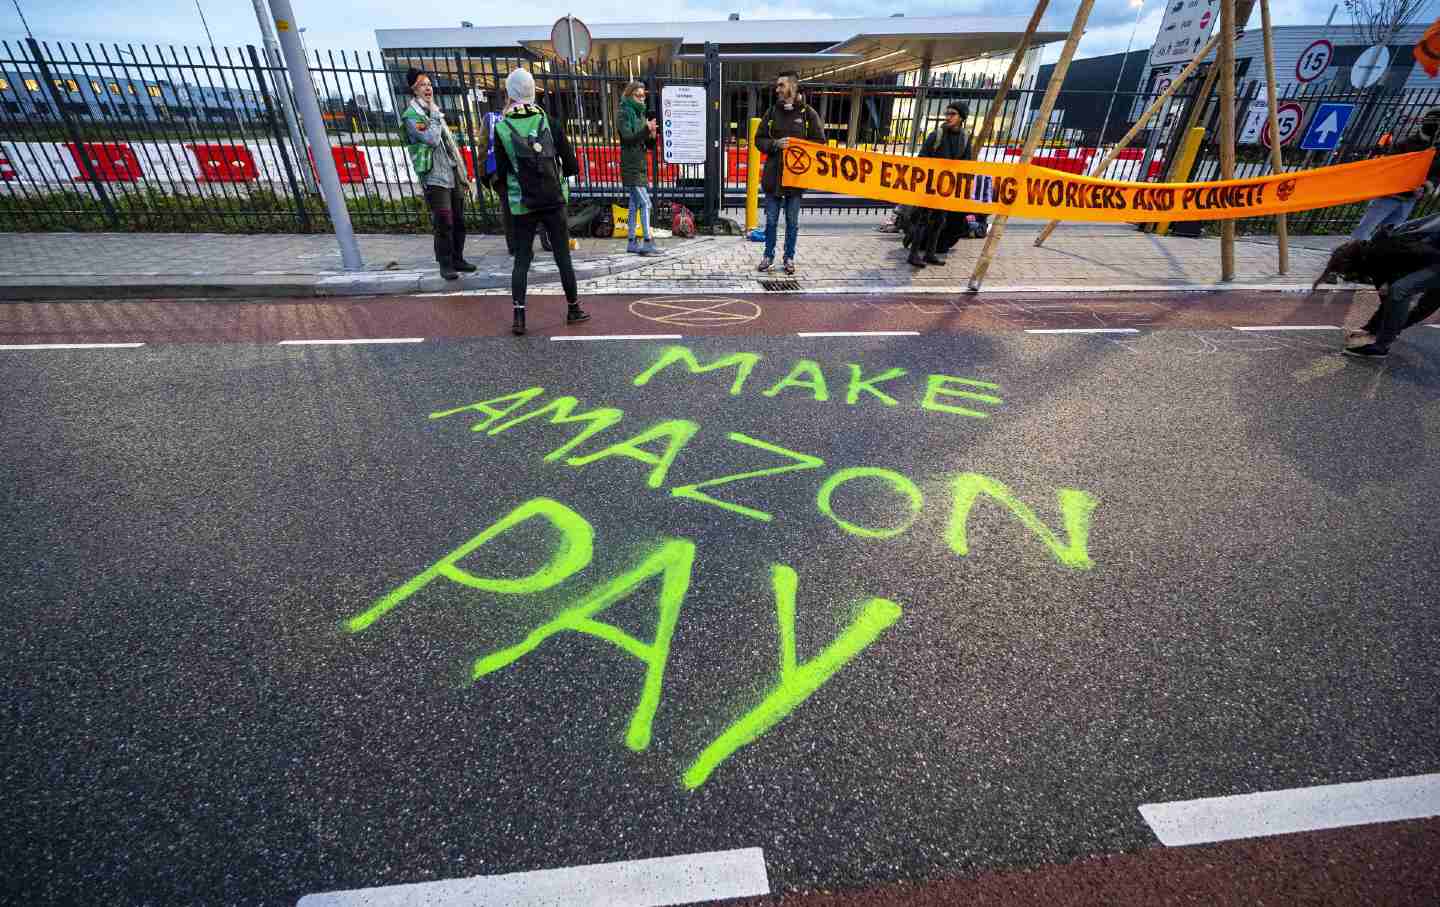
x=858 y=334
x=635 y=883
x=69 y=346
x=346 y=342
x=1288 y=327
x=622 y=337
x=1281 y=812
x=1082 y=330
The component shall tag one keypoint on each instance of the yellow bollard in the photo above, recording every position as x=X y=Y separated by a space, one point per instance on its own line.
x=1181 y=174
x=752 y=179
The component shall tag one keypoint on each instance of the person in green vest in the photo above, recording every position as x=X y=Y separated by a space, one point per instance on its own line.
x=532 y=161
x=637 y=136
x=441 y=169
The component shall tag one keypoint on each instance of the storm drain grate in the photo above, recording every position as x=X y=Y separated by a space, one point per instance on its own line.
x=780 y=286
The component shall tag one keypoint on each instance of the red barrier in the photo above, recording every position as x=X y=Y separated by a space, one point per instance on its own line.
x=350 y=164
x=112 y=162
x=7 y=169
x=225 y=163
x=1066 y=164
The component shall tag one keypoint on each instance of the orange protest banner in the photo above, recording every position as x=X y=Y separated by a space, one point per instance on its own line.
x=1427 y=50
x=977 y=187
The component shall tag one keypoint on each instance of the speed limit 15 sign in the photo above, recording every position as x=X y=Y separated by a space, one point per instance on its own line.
x=1287 y=117
x=1314 y=60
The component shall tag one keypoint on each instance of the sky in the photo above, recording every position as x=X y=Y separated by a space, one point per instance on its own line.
x=350 y=24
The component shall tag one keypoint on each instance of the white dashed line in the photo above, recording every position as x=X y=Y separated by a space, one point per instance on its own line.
x=622 y=337
x=1298 y=809
x=635 y=883
x=349 y=342
x=1082 y=330
x=858 y=334
x=69 y=346
x=1289 y=327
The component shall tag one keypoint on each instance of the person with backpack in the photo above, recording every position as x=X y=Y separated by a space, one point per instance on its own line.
x=532 y=160
x=948 y=142
x=637 y=136
x=437 y=161
x=788 y=118
x=1403 y=264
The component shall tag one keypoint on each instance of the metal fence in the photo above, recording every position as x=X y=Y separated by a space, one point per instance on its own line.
x=164 y=138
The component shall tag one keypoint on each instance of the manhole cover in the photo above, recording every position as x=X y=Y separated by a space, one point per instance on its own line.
x=695 y=311
x=780 y=286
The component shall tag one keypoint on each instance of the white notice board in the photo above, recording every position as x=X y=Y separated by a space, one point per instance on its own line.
x=682 y=123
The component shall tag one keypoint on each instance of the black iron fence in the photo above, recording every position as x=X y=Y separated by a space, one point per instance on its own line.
x=164 y=138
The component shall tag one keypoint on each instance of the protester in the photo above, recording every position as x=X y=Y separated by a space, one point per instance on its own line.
x=637 y=136
x=1395 y=209
x=1404 y=266
x=532 y=160
x=948 y=142
x=788 y=118
x=492 y=179
x=437 y=161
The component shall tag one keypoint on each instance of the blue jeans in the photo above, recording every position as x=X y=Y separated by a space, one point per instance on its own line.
x=1382 y=212
x=1403 y=294
x=773 y=204
x=640 y=202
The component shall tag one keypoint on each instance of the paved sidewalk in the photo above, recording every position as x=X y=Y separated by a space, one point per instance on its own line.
x=836 y=254
x=213 y=265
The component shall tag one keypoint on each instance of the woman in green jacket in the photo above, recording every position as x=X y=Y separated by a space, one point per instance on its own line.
x=637 y=136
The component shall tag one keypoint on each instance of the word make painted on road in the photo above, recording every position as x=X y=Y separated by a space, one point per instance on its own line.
x=1038 y=192
x=672 y=562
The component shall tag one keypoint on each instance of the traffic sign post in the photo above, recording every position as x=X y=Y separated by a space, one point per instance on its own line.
x=1287 y=119
x=570 y=39
x=1370 y=66
x=1326 y=127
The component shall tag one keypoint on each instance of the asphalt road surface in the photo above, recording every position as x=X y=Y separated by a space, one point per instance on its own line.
x=942 y=607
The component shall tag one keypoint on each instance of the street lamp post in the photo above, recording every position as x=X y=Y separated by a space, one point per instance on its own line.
x=1139 y=8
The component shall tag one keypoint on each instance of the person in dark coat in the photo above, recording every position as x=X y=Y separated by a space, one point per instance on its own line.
x=637 y=137
x=1390 y=210
x=950 y=143
x=788 y=118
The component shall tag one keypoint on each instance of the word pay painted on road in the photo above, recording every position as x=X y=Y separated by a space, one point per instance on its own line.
x=672 y=561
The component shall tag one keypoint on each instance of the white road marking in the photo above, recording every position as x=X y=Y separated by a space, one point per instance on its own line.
x=69 y=346
x=858 y=334
x=1289 y=327
x=346 y=342
x=1082 y=331
x=1281 y=812
x=622 y=337
x=632 y=883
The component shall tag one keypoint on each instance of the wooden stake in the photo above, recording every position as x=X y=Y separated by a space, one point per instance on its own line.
x=1277 y=162
x=1226 y=65
x=1037 y=132
x=1150 y=111
x=1004 y=89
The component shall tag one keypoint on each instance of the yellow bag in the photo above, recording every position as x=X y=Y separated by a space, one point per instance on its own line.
x=621 y=216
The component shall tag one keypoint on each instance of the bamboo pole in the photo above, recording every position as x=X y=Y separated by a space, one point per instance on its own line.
x=1004 y=89
x=1150 y=111
x=1227 y=129
x=1037 y=132
x=1277 y=162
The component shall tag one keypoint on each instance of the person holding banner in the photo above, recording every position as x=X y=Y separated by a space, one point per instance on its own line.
x=788 y=118
x=1390 y=210
x=948 y=142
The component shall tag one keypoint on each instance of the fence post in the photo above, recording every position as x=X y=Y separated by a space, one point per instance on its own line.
x=80 y=153
x=300 y=211
x=714 y=159
x=752 y=179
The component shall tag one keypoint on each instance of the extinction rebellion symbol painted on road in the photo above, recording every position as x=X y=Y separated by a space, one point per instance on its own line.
x=797 y=160
x=695 y=311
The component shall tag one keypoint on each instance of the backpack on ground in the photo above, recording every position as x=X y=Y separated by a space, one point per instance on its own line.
x=682 y=222
x=537 y=165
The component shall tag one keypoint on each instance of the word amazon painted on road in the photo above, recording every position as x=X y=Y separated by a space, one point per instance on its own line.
x=980 y=187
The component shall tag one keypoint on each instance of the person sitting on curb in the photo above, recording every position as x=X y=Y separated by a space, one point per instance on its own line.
x=637 y=136
x=532 y=160
x=788 y=118
x=441 y=169
x=949 y=143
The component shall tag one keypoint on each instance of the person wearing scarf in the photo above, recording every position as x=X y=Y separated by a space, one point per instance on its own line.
x=437 y=161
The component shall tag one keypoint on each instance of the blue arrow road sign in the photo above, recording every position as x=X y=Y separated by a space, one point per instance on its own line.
x=1326 y=127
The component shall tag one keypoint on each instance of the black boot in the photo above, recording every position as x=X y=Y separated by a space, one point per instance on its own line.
x=915 y=260
x=518 y=328
x=932 y=259
x=463 y=265
x=575 y=314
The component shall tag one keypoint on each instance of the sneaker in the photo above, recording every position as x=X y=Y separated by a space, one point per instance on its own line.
x=649 y=248
x=1368 y=351
x=467 y=267
x=789 y=266
x=575 y=314
x=1354 y=338
x=765 y=263
x=633 y=247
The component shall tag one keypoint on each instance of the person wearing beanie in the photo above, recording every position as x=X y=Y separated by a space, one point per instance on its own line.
x=637 y=136
x=788 y=118
x=441 y=169
x=532 y=160
x=949 y=142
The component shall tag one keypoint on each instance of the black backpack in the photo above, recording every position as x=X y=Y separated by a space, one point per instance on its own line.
x=537 y=165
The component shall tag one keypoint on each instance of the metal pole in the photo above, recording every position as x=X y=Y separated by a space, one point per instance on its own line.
x=575 y=77
x=1227 y=129
x=300 y=211
x=1277 y=161
x=82 y=155
x=309 y=110
x=282 y=100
